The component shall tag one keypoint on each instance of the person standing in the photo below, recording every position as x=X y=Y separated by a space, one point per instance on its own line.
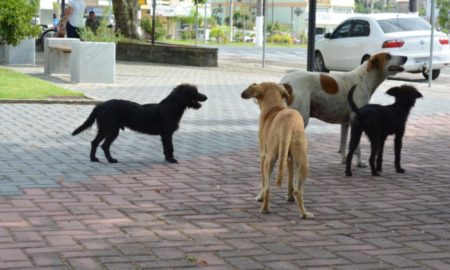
x=75 y=12
x=92 y=22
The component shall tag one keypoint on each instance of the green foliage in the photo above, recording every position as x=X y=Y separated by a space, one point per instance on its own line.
x=444 y=22
x=160 y=29
x=103 y=34
x=281 y=39
x=15 y=21
x=15 y=85
x=218 y=33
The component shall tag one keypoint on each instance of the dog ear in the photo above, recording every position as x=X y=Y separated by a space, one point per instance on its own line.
x=373 y=63
x=394 y=91
x=253 y=91
x=290 y=93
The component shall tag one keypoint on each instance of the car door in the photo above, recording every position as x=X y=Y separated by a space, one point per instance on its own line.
x=359 y=45
x=336 y=51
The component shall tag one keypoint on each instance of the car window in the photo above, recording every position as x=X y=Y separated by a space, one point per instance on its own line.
x=403 y=24
x=360 y=29
x=342 y=31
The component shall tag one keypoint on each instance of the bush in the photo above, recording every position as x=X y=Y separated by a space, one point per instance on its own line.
x=15 y=21
x=160 y=30
x=217 y=33
x=103 y=34
x=281 y=39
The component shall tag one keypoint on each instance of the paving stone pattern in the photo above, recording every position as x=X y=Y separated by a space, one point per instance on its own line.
x=60 y=211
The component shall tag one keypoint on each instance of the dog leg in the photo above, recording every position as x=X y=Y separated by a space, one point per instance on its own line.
x=301 y=173
x=259 y=197
x=374 y=146
x=354 y=143
x=168 y=148
x=360 y=163
x=290 y=195
x=268 y=167
x=94 y=144
x=344 y=135
x=111 y=135
x=380 y=155
x=398 y=149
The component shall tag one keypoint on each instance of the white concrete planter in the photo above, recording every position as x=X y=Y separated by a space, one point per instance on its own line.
x=86 y=62
x=22 y=54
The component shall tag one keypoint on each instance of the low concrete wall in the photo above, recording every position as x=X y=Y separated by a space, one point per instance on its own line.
x=167 y=54
x=22 y=54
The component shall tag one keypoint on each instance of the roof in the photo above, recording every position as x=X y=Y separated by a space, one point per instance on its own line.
x=381 y=16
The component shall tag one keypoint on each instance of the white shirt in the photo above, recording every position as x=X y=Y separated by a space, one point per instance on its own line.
x=77 y=17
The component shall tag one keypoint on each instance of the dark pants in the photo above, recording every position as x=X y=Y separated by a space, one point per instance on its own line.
x=72 y=31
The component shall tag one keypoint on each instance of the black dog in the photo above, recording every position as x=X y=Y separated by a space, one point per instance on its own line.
x=380 y=121
x=154 y=119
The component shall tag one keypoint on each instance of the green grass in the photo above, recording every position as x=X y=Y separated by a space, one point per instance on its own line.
x=201 y=42
x=15 y=85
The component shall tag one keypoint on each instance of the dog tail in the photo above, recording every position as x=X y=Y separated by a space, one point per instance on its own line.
x=283 y=154
x=88 y=123
x=351 y=102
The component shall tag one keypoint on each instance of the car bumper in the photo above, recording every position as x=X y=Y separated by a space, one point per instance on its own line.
x=419 y=63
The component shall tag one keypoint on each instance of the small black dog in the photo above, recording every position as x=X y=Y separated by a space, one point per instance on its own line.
x=154 y=119
x=380 y=121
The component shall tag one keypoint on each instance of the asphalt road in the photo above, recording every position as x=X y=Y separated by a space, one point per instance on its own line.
x=295 y=58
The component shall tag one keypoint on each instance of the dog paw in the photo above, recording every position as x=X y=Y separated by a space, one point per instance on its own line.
x=348 y=173
x=171 y=160
x=307 y=215
x=95 y=159
x=113 y=160
x=400 y=170
x=259 y=198
x=379 y=169
x=265 y=211
x=362 y=164
x=290 y=198
x=375 y=174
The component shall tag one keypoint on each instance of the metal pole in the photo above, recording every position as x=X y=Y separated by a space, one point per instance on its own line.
x=153 y=21
x=63 y=5
x=196 y=21
x=231 y=20
x=110 y=12
x=311 y=35
x=430 y=62
x=205 y=22
x=264 y=33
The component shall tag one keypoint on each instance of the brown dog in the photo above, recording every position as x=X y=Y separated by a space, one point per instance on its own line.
x=281 y=136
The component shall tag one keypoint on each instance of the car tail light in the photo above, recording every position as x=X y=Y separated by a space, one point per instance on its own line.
x=393 y=43
x=443 y=41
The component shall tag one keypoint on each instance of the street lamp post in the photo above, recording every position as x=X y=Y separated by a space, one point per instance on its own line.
x=298 y=11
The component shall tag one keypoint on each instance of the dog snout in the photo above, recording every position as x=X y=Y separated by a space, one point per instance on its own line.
x=201 y=97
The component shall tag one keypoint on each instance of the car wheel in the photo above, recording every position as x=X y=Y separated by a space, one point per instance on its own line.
x=319 y=64
x=434 y=74
x=365 y=58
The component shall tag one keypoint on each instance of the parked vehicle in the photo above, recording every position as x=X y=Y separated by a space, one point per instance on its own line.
x=361 y=36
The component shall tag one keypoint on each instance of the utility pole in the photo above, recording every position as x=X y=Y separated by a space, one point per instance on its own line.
x=231 y=20
x=311 y=35
x=259 y=23
x=412 y=6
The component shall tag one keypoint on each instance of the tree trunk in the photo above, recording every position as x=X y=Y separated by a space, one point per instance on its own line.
x=125 y=13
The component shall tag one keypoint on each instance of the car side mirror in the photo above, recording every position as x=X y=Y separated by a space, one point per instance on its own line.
x=327 y=35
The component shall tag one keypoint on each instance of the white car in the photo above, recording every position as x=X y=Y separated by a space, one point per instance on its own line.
x=361 y=36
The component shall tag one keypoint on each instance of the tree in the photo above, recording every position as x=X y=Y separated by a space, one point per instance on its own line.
x=125 y=13
x=15 y=21
x=444 y=23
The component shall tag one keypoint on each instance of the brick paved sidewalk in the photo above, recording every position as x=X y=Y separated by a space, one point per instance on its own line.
x=60 y=211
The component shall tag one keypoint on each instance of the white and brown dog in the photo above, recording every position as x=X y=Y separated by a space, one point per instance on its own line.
x=324 y=96
x=281 y=136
